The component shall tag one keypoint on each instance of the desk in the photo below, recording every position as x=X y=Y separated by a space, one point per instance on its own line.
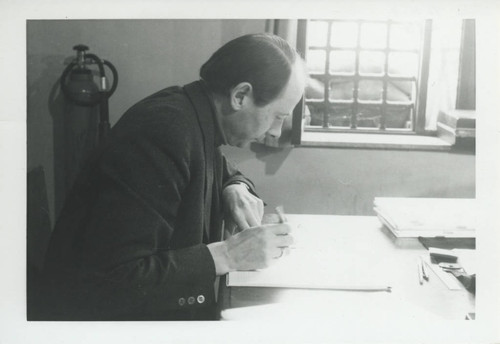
x=365 y=234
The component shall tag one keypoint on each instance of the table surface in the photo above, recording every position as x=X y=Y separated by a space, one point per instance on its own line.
x=344 y=234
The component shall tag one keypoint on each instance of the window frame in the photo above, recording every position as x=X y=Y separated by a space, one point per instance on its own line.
x=420 y=99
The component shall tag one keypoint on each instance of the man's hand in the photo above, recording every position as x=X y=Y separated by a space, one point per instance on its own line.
x=252 y=248
x=244 y=209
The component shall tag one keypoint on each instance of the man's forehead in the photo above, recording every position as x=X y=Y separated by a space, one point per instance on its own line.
x=296 y=85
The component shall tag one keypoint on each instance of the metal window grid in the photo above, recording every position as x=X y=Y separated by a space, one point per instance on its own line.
x=355 y=104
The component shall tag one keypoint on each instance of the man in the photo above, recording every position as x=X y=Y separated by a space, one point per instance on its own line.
x=140 y=235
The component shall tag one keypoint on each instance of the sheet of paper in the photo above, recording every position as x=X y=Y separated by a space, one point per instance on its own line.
x=321 y=260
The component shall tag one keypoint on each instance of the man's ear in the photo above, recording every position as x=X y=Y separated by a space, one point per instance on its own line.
x=241 y=95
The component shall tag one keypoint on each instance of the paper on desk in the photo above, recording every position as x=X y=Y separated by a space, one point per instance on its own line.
x=329 y=262
x=427 y=217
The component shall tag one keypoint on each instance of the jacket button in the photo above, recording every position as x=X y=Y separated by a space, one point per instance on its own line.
x=191 y=300
x=200 y=298
x=182 y=301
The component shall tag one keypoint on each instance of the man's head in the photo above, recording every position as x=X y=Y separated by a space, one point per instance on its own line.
x=257 y=80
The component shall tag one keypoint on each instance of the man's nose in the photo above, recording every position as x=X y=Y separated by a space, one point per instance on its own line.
x=273 y=134
x=275 y=129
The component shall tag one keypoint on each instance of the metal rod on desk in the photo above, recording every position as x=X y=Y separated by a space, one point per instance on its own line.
x=420 y=271
x=425 y=273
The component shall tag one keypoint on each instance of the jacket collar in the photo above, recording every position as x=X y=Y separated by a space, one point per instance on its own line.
x=205 y=109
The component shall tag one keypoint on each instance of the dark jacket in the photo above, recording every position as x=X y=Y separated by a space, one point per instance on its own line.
x=131 y=241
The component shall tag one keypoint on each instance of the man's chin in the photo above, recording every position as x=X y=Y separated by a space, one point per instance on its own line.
x=243 y=144
x=239 y=144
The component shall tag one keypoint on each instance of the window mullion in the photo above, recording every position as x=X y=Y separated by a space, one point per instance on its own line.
x=383 y=109
x=424 y=78
x=326 y=78
x=354 y=109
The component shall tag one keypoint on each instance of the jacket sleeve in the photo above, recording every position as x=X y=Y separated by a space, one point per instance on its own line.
x=231 y=175
x=128 y=259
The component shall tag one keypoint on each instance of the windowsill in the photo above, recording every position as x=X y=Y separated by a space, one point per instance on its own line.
x=373 y=141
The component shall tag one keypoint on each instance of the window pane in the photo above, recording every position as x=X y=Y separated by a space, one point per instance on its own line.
x=342 y=62
x=370 y=90
x=317 y=33
x=340 y=90
x=373 y=35
x=344 y=35
x=368 y=117
x=401 y=92
x=340 y=116
x=371 y=63
x=357 y=61
x=398 y=118
x=405 y=36
x=316 y=61
x=315 y=112
x=403 y=64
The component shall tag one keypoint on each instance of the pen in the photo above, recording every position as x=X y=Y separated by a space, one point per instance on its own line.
x=424 y=269
x=420 y=271
x=281 y=213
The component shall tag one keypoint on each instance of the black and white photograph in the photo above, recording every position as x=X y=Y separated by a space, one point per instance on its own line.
x=325 y=175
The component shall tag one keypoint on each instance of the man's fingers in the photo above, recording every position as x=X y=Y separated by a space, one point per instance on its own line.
x=282 y=252
x=284 y=240
x=242 y=223
x=240 y=219
x=252 y=220
x=280 y=229
x=246 y=220
x=260 y=209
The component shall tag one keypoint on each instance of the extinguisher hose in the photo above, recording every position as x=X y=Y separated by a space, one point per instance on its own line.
x=115 y=78
x=63 y=77
x=99 y=63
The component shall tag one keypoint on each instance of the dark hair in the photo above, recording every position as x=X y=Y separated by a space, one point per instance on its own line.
x=263 y=60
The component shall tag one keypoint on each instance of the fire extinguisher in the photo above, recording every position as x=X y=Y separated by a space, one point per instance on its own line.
x=77 y=84
x=86 y=111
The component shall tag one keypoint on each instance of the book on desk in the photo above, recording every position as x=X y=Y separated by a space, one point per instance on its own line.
x=427 y=217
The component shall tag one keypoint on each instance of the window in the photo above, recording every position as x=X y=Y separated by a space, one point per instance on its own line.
x=365 y=75
x=401 y=79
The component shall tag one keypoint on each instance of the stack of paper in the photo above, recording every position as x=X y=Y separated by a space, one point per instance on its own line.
x=428 y=217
